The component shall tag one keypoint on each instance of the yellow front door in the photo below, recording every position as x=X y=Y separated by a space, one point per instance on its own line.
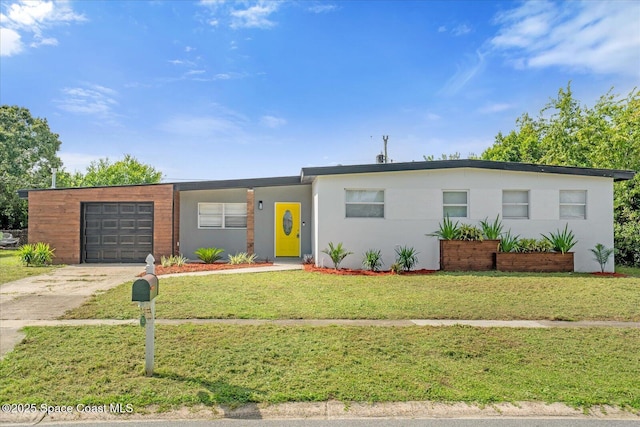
x=287 y=228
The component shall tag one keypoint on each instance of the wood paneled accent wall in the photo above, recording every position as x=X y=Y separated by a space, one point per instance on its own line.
x=55 y=215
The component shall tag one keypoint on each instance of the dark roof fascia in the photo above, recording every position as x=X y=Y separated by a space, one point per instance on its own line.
x=195 y=185
x=308 y=174
x=24 y=193
x=238 y=183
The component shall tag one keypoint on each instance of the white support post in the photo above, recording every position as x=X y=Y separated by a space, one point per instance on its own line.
x=149 y=343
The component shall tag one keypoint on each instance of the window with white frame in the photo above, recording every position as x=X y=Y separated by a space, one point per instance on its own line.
x=364 y=203
x=573 y=204
x=222 y=215
x=455 y=204
x=515 y=204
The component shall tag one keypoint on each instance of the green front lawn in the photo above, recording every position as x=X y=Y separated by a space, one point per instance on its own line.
x=12 y=269
x=220 y=364
x=299 y=294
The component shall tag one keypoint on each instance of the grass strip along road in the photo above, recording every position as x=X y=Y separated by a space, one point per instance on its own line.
x=221 y=364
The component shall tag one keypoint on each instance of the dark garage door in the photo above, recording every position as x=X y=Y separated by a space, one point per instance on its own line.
x=117 y=232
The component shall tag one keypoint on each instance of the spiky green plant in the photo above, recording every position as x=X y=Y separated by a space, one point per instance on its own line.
x=602 y=254
x=171 y=260
x=336 y=253
x=508 y=242
x=447 y=230
x=491 y=230
x=209 y=255
x=562 y=241
x=406 y=257
x=36 y=254
x=372 y=259
x=242 y=258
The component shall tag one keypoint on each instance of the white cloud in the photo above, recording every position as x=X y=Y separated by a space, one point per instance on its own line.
x=495 y=108
x=256 y=16
x=442 y=29
x=91 y=99
x=461 y=30
x=322 y=8
x=30 y=19
x=598 y=37
x=464 y=74
x=272 y=121
x=10 y=43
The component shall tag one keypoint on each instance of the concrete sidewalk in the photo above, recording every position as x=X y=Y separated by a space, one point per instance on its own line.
x=330 y=322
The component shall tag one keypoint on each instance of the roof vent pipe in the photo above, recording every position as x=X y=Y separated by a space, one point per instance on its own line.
x=53 y=177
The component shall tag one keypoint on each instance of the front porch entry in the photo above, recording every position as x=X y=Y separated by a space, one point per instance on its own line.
x=287 y=229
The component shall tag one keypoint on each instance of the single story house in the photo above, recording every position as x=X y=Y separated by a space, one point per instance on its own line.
x=371 y=206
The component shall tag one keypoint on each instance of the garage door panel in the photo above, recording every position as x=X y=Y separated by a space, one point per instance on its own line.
x=144 y=240
x=128 y=239
x=145 y=209
x=110 y=208
x=145 y=224
x=127 y=208
x=117 y=232
x=128 y=224
x=109 y=239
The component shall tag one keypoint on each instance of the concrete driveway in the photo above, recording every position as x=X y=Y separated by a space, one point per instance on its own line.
x=50 y=295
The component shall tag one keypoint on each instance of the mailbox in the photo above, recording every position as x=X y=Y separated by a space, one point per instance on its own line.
x=145 y=288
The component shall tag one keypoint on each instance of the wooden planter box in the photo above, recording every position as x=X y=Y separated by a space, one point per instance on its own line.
x=468 y=255
x=535 y=261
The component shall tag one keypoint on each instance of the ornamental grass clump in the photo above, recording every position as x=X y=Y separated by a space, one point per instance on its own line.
x=37 y=254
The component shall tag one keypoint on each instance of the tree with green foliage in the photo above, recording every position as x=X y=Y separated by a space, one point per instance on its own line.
x=570 y=134
x=27 y=154
x=105 y=173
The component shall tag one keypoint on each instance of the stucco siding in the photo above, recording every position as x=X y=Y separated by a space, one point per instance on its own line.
x=235 y=240
x=265 y=218
x=191 y=237
x=413 y=209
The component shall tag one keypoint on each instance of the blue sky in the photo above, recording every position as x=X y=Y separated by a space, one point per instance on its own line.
x=240 y=89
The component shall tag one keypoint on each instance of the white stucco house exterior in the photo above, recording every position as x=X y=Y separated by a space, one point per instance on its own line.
x=390 y=205
x=371 y=206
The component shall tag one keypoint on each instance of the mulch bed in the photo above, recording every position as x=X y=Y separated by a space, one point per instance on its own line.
x=194 y=267
x=349 y=272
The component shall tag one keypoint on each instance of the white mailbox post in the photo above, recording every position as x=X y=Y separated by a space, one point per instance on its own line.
x=144 y=291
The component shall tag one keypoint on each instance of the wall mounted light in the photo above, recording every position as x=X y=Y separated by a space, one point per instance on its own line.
x=260 y=204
